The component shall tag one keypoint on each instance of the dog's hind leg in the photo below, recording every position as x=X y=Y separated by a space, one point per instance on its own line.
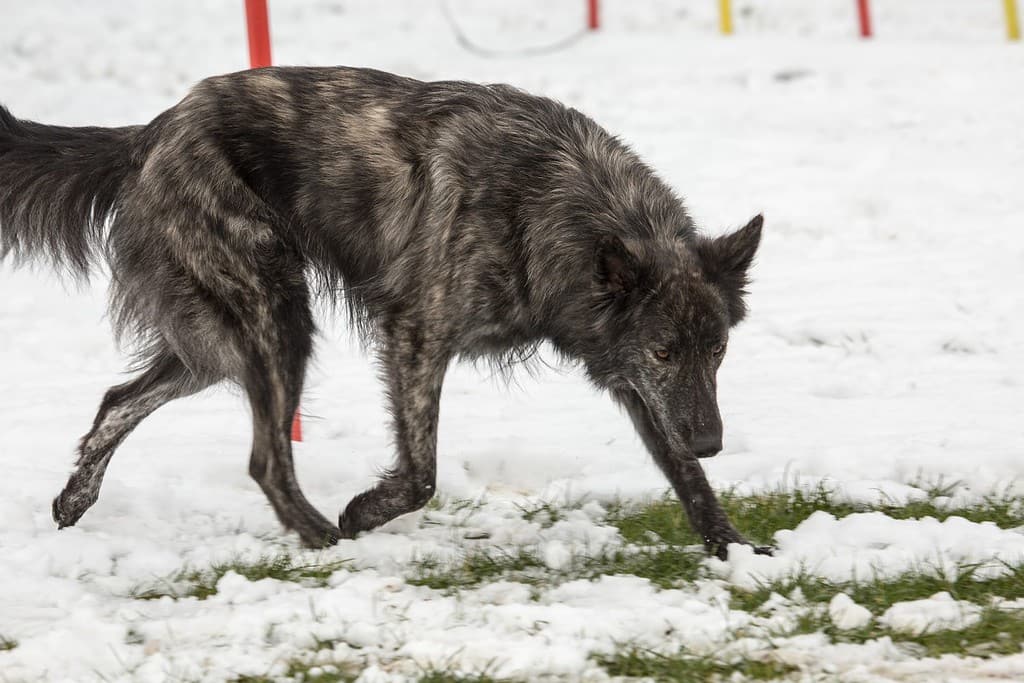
x=122 y=409
x=275 y=350
x=414 y=359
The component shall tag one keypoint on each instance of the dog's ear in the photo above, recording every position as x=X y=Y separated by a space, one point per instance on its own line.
x=616 y=268
x=726 y=260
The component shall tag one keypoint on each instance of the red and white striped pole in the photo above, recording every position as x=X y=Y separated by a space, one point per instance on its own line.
x=258 y=23
x=593 y=17
x=864 y=14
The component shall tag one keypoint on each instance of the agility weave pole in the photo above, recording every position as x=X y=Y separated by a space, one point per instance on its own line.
x=1012 y=19
x=725 y=24
x=864 y=17
x=258 y=24
x=725 y=17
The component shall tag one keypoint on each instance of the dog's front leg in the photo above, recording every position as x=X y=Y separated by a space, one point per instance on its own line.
x=414 y=360
x=684 y=472
x=707 y=517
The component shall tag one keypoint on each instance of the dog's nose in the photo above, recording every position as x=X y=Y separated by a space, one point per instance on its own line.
x=707 y=445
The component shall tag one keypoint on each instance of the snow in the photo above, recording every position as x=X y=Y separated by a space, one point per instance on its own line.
x=936 y=613
x=864 y=546
x=847 y=614
x=884 y=351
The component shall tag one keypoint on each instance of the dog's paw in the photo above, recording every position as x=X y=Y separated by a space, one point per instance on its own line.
x=316 y=532
x=720 y=547
x=326 y=540
x=346 y=527
x=69 y=506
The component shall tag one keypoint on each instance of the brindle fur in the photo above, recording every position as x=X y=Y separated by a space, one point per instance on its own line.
x=453 y=220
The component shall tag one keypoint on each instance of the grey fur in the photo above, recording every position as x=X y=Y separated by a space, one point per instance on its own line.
x=453 y=220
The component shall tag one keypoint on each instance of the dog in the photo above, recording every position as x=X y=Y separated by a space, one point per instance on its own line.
x=452 y=220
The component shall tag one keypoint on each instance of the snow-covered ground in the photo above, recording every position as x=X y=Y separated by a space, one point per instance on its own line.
x=885 y=346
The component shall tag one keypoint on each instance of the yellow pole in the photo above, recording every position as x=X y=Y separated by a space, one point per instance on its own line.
x=725 y=16
x=1012 y=24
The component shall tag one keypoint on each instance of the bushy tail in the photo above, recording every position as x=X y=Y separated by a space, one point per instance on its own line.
x=58 y=187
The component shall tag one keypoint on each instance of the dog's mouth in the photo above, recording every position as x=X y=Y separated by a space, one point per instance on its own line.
x=679 y=445
x=700 y=447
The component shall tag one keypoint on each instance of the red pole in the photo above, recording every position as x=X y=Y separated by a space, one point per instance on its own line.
x=258 y=23
x=865 y=18
x=259 y=33
x=592 y=15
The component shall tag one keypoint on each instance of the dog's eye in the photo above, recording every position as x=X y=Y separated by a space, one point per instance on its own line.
x=662 y=354
x=718 y=349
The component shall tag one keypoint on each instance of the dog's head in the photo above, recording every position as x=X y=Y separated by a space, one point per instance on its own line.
x=665 y=317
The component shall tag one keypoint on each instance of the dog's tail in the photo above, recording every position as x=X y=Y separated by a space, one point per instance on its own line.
x=59 y=186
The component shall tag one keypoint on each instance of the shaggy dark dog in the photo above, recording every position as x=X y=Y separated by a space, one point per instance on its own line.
x=453 y=219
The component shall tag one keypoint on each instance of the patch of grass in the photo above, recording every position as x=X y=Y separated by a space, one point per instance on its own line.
x=880 y=593
x=660 y=547
x=683 y=667
x=998 y=632
x=660 y=538
x=814 y=589
x=1006 y=512
x=7 y=643
x=324 y=673
x=544 y=513
x=450 y=512
x=479 y=566
x=759 y=516
x=453 y=505
x=435 y=676
x=666 y=566
x=328 y=673
x=202 y=583
x=548 y=513
x=304 y=669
